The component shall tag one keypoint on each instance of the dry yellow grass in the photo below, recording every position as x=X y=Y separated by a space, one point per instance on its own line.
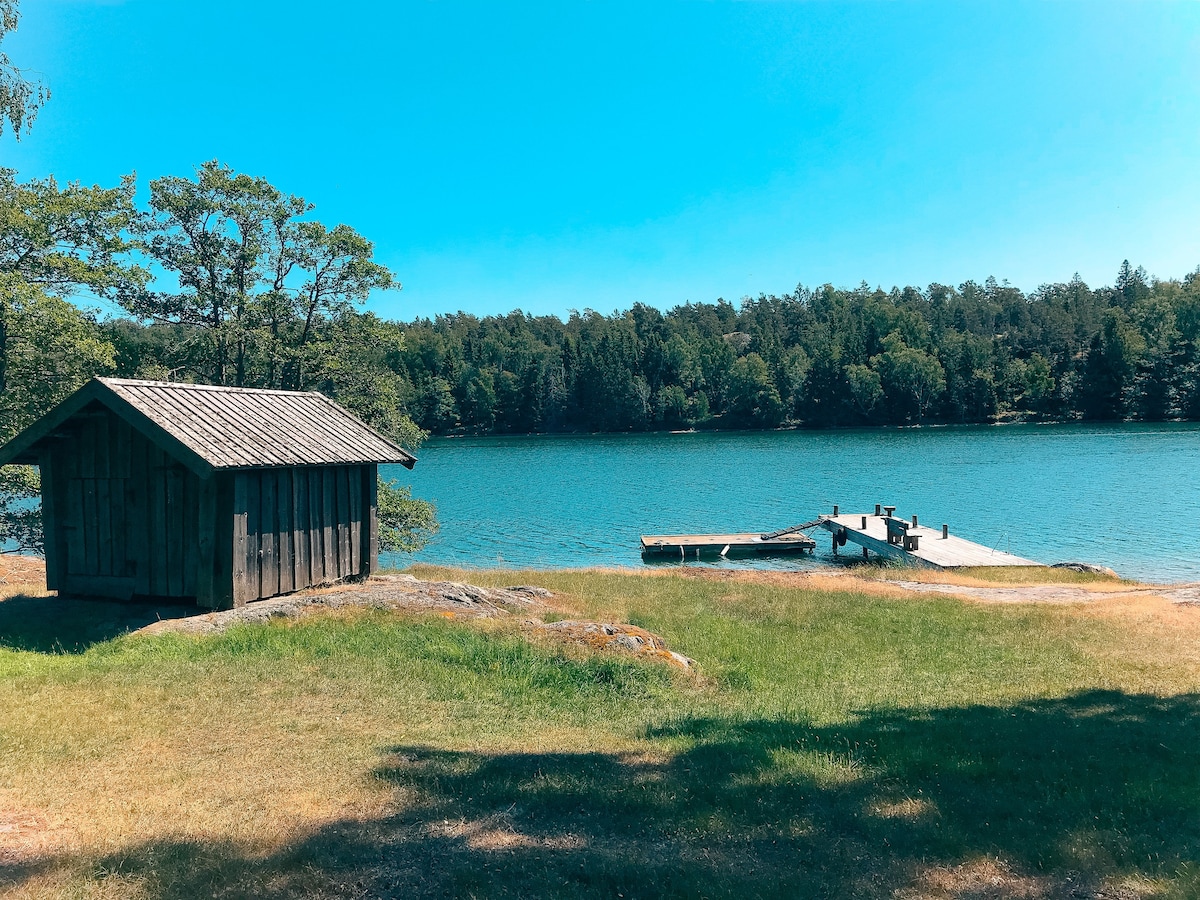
x=21 y=575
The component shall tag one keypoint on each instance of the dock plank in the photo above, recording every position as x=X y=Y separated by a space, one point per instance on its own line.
x=750 y=542
x=933 y=550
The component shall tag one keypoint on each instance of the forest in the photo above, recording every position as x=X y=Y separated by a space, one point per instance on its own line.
x=818 y=357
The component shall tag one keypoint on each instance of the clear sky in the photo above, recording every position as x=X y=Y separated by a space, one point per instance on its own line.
x=559 y=155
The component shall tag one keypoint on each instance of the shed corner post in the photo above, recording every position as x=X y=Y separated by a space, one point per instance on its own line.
x=243 y=576
x=372 y=530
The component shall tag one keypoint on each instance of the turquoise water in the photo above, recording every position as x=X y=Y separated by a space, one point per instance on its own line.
x=1125 y=496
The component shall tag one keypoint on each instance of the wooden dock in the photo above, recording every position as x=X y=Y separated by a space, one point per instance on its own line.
x=884 y=534
x=691 y=546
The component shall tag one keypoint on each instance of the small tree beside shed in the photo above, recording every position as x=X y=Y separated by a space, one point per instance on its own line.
x=217 y=494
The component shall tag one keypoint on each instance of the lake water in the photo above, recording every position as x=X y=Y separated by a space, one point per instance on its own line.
x=1125 y=496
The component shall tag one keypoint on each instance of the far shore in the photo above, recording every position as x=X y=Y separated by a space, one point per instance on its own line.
x=822 y=429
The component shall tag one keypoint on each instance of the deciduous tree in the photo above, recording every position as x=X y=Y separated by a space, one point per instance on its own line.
x=20 y=97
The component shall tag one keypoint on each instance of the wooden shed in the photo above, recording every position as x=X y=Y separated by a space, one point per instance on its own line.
x=221 y=495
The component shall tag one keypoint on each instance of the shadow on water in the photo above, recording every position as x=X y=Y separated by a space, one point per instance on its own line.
x=1060 y=798
x=73 y=624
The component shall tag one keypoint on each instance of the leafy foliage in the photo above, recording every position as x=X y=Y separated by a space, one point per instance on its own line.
x=817 y=357
x=20 y=98
x=20 y=512
x=405 y=524
x=50 y=349
x=256 y=280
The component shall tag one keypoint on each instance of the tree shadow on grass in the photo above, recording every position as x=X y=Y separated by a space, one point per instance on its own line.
x=1061 y=798
x=58 y=624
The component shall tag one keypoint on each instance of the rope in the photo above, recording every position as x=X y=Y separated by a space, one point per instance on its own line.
x=782 y=531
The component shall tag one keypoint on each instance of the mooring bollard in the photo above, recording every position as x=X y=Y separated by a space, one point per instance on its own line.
x=835 y=509
x=945 y=532
x=864 y=524
x=914 y=521
x=878 y=509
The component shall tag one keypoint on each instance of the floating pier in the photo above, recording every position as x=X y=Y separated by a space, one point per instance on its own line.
x=884 y=534
x=691 y=546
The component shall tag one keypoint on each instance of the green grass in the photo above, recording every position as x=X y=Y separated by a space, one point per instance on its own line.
x=834 y=744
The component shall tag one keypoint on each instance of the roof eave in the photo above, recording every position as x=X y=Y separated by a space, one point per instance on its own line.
x=406 y=459
x=22 y=449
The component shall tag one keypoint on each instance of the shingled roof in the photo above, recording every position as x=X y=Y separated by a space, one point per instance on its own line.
x=211 y=427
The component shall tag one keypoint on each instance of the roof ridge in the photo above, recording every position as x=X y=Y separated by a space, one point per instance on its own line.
x=187 y=385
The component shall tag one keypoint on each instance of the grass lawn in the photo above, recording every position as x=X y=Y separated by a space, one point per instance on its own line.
x=841 y=740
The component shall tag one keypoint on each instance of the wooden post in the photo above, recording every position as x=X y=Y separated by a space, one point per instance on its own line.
x=245 y=554
x=866 y=555
x=835 y=509
x=864 y=524
x=372 y=519
x=914 y=521
x=945 y=532
x=878 y=509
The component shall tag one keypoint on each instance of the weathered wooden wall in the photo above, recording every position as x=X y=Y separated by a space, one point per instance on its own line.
x=121 y=516
x=302 y=526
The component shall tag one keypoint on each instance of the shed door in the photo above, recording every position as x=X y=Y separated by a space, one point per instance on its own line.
x=127 y=514
x=92 y=483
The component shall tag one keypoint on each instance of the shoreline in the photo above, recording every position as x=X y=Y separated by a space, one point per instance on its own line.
x=822 y=429
x=25 y=576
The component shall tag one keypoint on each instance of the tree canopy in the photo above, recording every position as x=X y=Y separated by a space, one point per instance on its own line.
x=263 y=297
x=820 y=357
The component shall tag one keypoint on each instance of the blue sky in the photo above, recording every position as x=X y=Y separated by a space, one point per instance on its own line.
x=571 y=155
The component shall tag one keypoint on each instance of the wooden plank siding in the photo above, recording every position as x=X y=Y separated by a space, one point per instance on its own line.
x=316 y=533
x=329 y=545
x=301 y=542
x=268 y=536
x=297 y=528
x=52 y=533
x=285 y=546
x=342 y=520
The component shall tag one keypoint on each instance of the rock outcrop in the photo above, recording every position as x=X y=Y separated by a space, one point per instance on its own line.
x=611 y=636
x=395 y=592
